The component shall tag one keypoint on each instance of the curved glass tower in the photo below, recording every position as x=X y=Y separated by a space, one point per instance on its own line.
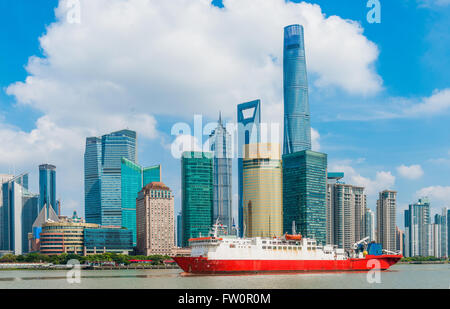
x=297 y=128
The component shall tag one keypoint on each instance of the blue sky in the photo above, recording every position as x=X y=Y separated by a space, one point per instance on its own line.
x=379 y=93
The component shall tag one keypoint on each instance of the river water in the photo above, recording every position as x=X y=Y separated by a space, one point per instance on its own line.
x=399 y=276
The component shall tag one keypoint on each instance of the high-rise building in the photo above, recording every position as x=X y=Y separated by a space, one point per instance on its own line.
x=448 y=232
x=220 y=146
x=346 y=209
x=18 y=211
x=386 y=220
x=47 y=186
x=417 y=230
x=297 y=129
x=305 y=194
x=179 y=230
x=262 y=190
x=133 y=178
x=249 y=132
x=102 y=170
x=440 y=234
x=400 y=239
x=197 y=194
x=3 y=178
x=370 y=224
x=155 y=220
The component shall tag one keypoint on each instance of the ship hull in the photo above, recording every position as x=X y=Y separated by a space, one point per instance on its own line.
x=201 y=265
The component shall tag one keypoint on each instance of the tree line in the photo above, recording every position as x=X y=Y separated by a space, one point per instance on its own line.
x=65 y=257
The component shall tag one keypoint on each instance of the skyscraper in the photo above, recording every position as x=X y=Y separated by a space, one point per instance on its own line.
x=47 y=186
x=346 y=207
x=262 y=183
x=155 y=220
x=179 y=230
x=297 y=129
x=417 y=222
x=220 y=146
x=386 y=217
x=133 y=179
x=305 y=194
x=18 y=211
x=102 y=169
x=440 y=234
x=249 y=132
x=197 y=194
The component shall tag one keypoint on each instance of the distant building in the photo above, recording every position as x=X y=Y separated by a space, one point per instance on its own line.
x=83 y=238
x=197 y=194
x=370 y=225
x=155 y=220
x=400 y=239
x=249 y=132
x=102 y=175
x=440 y=234
x=133 y=179
x=179 y=230
x=18 y=211
x=346 y=206
x=220 y=146
x=305 y=194
x=47 y=186
x=262 y=188
x=386 y=218
x=417 y=228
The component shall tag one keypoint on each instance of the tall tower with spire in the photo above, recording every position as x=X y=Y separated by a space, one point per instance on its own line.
x=297 y=128
x=220 y=146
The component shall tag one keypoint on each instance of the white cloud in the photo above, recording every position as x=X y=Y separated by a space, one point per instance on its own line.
x=129 y=60
x=437 y=103
x=437 y=194
x=383 y=179
x=410 y=172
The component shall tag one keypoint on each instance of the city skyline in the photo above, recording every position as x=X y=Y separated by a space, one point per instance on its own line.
x=387 y=158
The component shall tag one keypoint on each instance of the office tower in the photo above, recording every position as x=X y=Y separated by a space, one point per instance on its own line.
x=386 y=226
x=417 y=221
x=18 y=211
x=102 y=170
x=47 y=186
x=346 y=208
x=297 y=129
x=197 y=194
x=179 y=230
x=262 y=190
x=305 y=194
x=155 y=220
x=3 y=178
x=370 y=224
x=133 y=178
x=220 y=146
x=448 y=232
x=249 y=132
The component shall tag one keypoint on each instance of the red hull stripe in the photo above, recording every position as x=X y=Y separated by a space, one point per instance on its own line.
x=203 y=265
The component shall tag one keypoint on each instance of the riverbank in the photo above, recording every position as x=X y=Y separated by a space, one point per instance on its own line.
x=37 y=266
x=423 y=262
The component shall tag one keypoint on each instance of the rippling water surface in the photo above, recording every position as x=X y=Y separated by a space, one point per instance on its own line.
x=398 y=277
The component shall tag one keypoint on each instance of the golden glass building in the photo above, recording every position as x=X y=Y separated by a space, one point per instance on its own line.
x=262 y=190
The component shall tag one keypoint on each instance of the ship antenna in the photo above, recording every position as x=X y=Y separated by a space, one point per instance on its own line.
x=294 y=232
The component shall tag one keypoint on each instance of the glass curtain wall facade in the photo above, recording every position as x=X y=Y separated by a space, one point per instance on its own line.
x=133 y=179
x=297 y=128
x=220 y=146
x=47 y=187
x=263 y=202
x=249 y=132
x=18 y=210
x=197 y=194
x=102 y=165
x=305 y=194
x=102 y=240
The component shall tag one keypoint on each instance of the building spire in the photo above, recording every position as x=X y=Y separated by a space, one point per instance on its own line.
x=220 y=117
